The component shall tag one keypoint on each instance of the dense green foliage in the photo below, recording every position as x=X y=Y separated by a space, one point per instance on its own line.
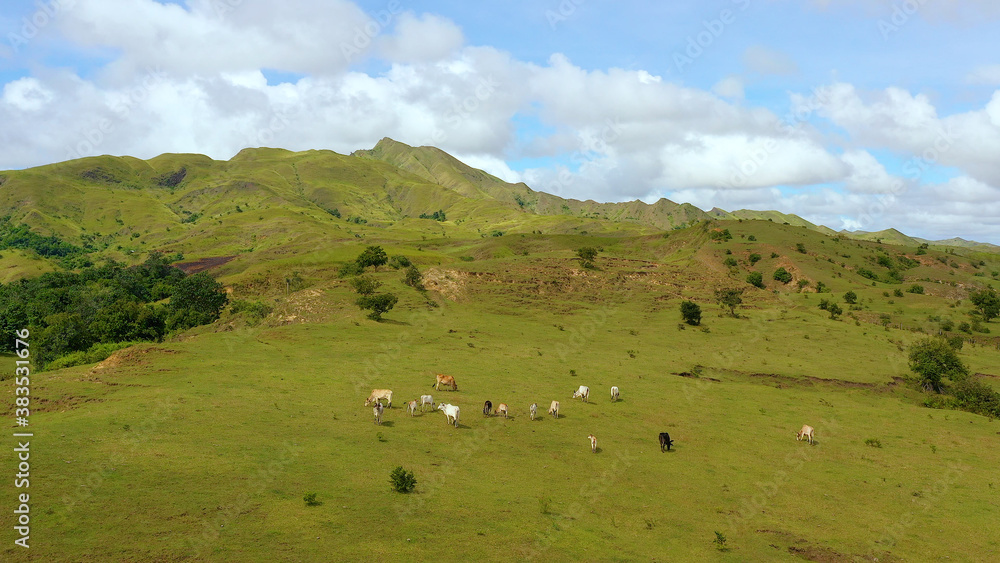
x=403 y=481
x=691 y=313
x=20 y=236
x=365 y=285
x=71 y=312
x=587 y=254
x=782 y=275
x=933 y=359
x=437 y=215
x=987 y=303
x=372 y=256
x=850 y=298
x=414 y=278
x=756 y=279
x=379 y=304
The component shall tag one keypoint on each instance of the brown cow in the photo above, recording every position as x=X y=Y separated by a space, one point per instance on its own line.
x=445 y=380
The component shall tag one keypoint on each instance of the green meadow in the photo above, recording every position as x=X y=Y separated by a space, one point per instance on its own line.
x=202 y=447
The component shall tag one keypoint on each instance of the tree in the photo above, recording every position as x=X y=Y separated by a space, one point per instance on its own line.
x=987 y=302
x=414 y=278
x=754 y=258
x=198 y=299
x=782 y=275
x=850 y=298
x=372 y=256
x=756 y=279
x=934 y=359
x=64 y=333
x=834 y=310
x=691 y=313
x=365 y=285
x=731 y=298
x=587 y=254
x=379 y=304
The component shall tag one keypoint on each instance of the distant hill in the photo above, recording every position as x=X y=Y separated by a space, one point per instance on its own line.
x=275 y=202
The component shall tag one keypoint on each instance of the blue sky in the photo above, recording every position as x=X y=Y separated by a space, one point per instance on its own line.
x=825 y=108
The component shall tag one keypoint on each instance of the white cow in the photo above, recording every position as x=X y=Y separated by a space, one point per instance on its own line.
x=593 y=443
x=554 y=409
x=583 y=392
x=450 y=412
x=614 y=393
x=806 y=432
x=426 y=400
x=378 y=409
x=379 y=395
x=502 y=409
x=411 y=407
x=533 y=409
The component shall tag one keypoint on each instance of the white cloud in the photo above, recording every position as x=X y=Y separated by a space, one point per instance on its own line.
x=769 y=61
x=867 y=175
x=427 y=38
x=26 y=94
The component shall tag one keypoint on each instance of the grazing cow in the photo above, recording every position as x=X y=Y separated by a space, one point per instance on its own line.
x=665 y=441
x=583 y=392
x=502 y=409
x=593 y=443
x=614 y=393
x=533 y=409
x=379 y=395
x=450 y=413
x=554 y=409
x=426 y=400
x=377 y=410
x=445 y=380
x=487 y=408
x=411 y=407
x=806 y=432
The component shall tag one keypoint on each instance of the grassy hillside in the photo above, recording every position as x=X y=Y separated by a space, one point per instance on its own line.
x=203 y=446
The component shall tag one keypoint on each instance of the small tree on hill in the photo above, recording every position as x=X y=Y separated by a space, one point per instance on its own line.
x=691 y=313
x=414 y=278
x=365 y=285
x=782 y=275
x=372 y=256
x=933 y=359
x=756 y=279
x=987 y=303
x=850 y=298
x=834 y=310
x=378 y=304
x=731 y=298
x=587 y=254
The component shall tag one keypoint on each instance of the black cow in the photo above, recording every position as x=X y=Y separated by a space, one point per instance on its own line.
x=665 y=441
x=487 y=408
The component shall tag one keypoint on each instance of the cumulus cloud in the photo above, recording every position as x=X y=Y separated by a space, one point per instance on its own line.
x=427 y=38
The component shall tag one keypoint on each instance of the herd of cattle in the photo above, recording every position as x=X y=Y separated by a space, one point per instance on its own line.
x=451 y=412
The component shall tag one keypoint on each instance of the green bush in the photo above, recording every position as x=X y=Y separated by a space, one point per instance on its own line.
x=399 y=261
x=850 y=298
x=413 y=278
x=310 y=499
x=350 y=269
x=933 y=360
x=691 y=313
x=402 y=481
x=756 y=279
x=916 y=289
x=730 y=261
x=754 y=258
x=365 y=285
x=782 y=275
x=973 y=396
